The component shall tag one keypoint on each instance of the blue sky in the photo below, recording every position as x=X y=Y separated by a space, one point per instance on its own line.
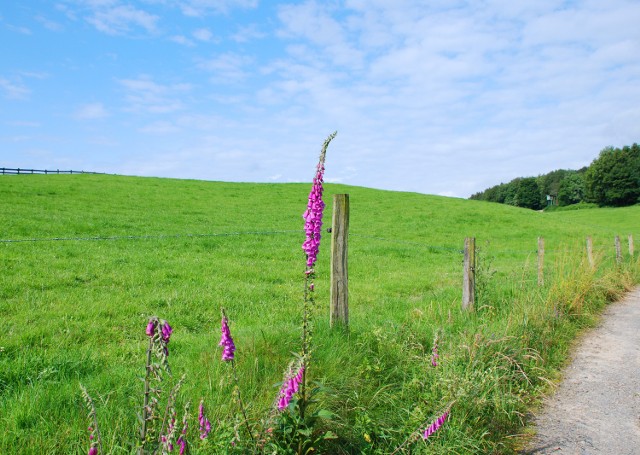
x=439 y=97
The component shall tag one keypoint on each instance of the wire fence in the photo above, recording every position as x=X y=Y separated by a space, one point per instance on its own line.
x=428 y=247
x=145 y=237
x=510 y=266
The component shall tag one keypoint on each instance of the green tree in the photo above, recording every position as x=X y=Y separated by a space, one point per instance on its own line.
x=614 y=177
x=550 y=183
x=571 y=190
x=528 y=194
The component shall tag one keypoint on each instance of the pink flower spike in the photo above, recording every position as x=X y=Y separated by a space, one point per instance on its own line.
x=315 y=207
x=205 y=425
x=93 y=450
x=183 y=444
x=290 y=387
x=226 y=341
x=434 y=353
x=435 y=426
x=151 y=327
x=166 y=332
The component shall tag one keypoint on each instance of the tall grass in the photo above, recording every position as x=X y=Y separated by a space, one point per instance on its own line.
x=74 y=311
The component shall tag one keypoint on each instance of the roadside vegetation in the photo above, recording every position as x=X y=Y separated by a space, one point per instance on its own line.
x=87 y=260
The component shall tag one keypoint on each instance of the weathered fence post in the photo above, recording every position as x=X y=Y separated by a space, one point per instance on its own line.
x=618 y=251
x=339 y=314
x=590 y=251
x=469 y=275
x=631 y=246
x=540 y=261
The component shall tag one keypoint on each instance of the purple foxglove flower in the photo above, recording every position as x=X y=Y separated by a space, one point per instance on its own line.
x=93 y=450
x=151 y=327
x=289 y=388
x=205 y=425
x=166 y=332
x=313 y=217
x=434 y=352
x=182 y=442
x=435 y=425
x=226 y=341
x=182 y=439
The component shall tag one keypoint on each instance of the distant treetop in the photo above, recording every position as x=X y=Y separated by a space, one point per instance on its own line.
x=612 y=179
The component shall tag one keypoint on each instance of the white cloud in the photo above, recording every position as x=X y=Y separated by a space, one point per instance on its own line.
x=49 y=24
x=160 y=128
x=104 y=141
x=91 y=111
x=247 y=33
x=19 y=29
x=143 y=95
x=120 y=19
x=314 y=22
x=25 y=124
x=180 y=39
x=202 y=34
x=199 y=8
x=228 y=67
x=15 y=90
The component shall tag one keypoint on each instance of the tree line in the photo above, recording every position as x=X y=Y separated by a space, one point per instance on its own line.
x=612 y=179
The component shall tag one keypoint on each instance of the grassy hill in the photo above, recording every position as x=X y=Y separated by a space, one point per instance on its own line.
x=86 y=259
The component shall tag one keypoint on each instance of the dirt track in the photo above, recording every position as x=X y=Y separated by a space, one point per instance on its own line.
x=596 y=408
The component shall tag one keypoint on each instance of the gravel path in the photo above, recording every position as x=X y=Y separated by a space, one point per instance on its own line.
x=596 y=408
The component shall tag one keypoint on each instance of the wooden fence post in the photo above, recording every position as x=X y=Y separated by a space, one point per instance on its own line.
x=618 y=251
x=339 y=314
x=590 y=251
x=631 y=246
x=469 y=275
x=540 y=261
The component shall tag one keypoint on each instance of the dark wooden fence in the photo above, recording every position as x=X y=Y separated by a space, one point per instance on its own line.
x=7 y=170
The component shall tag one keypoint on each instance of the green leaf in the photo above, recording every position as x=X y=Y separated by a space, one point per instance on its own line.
x=324 y=414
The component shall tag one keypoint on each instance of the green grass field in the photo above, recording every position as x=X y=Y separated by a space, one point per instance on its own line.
x=74 y=309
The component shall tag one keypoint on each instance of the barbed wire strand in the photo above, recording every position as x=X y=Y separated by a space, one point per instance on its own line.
x=443 y=248
x=146 y=237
